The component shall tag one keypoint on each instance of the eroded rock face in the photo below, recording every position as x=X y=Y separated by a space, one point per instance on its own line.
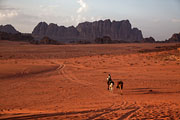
x=40 y=29
x=149 y=40
x=8 y=29
x=89 y=31
x=47 y=40
x=103 y=40
x=16 y=37
x=175 y=38
x=116 y=30
x=55 y=32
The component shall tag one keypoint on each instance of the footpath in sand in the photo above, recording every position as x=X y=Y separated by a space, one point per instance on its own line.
x=55 y=85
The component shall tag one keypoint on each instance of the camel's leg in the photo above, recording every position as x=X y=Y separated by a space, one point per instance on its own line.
x=121 y=92
x=111 y=87
x=120 y=89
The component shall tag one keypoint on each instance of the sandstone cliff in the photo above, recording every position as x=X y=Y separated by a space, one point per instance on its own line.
x=8 y=29
x=55 y=32
x=175 y=38
x=89 y=31
x=149 y=40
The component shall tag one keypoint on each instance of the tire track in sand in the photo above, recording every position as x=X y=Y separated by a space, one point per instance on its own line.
x=29 y=74
x=116 y=112
x=106 y=112
x=58 y=114
x=69 y=75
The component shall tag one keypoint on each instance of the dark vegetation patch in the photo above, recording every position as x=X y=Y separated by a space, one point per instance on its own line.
x=160 y=48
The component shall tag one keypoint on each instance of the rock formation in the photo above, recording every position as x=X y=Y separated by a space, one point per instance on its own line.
x=8 y=29
x=175 y=38
x=55 y=32
x=149 y=40
x=89 y=31
x=47 y=40
x=103 y=40
x=116 y=30
x=16 y=37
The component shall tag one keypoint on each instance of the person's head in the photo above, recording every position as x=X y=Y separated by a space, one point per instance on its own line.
x=109 y=74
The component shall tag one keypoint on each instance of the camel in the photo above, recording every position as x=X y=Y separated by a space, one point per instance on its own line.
x=110 y=83
x=111 y=86
x=120 y=86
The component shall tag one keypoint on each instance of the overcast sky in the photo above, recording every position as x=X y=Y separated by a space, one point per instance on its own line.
x=157 y=18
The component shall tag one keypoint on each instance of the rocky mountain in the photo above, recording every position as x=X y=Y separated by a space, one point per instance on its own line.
x=55 y=32
x=116 y=30
x=175 y=38
x=149 y=40
x=103 y=40
x=47 y=40
x=8 y=29
x=16 y=37
x=89 y=31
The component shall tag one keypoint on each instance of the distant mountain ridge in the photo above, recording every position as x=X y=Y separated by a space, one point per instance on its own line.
x=89 y=31
x=174 y=38
x=8 y=32
x=8 y=29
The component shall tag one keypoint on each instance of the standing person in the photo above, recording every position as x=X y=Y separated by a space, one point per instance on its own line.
x=120 y=86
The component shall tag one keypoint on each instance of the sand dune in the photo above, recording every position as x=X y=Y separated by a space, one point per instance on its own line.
x=69 y=82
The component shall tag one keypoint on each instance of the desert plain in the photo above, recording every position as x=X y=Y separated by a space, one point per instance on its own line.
x=55 y=82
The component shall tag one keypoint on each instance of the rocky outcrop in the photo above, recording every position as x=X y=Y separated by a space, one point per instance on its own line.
x=40 y=29
x=47 y=40
x=55 y=32
x=103 y=40
x=116 y=30
x=16 y=37
x=8 y=32
x=8 y=29
x=175 y=38
x=149 y=40
x=89 y=31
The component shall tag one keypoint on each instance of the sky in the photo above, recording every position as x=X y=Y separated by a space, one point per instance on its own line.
x=156 y=18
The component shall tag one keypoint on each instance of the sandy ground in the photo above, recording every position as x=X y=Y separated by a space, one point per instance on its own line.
x=69 y=82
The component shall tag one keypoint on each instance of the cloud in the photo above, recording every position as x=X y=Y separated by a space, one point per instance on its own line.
x=1 y=1
x=92 y=19
x=156 y=20
x=6 y=12
x=23 y=22
x=175 y=20
x=48 y=7
x=4 y=8
x=83 y=6
x=48 y=10
x=75 y=20
x=80 y=18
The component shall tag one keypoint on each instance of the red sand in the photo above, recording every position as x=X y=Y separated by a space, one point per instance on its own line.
x=69 y=82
